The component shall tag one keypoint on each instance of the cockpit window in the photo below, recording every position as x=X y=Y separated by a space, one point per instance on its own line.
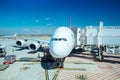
x=64 y=39
x=55 y=39
x=58 y=39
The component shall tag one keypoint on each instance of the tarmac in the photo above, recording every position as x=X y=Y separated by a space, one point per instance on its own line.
x=75 y=65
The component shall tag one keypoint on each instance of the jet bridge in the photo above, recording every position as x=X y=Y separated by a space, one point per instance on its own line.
x=105 y=36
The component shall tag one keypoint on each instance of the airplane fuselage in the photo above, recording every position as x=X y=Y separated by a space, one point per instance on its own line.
x=62 y=42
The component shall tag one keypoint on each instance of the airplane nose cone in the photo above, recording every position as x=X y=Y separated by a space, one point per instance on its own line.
x=58 y=51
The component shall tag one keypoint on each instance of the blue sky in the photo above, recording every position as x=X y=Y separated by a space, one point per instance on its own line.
x=44 y=16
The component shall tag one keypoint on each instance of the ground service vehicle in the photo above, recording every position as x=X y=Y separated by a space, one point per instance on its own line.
x=9 y=59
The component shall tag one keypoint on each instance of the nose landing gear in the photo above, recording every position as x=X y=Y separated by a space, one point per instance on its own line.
x=60 y=62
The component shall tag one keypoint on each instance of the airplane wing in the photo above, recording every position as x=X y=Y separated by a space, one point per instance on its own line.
x=35 y=44
x=32 y=44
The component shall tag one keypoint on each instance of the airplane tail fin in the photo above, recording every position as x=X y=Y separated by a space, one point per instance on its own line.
x=15 y=34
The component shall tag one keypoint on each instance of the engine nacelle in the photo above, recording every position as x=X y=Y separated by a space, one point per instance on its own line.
x=21 y=43
x=34 y=46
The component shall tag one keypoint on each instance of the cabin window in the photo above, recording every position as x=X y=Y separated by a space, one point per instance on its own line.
x=58 y=39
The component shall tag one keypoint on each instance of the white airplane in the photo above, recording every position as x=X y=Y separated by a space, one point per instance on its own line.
x=10 y=36
x=60 y=46
x=62 y=42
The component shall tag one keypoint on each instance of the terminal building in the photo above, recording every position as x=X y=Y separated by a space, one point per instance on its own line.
x=107 y=36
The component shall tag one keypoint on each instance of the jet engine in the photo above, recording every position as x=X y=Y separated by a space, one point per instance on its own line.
x=34 y=46
x=21 y=43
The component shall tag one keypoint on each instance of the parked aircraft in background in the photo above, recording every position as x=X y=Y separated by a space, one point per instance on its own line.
x=10 y=36
x=60 y=45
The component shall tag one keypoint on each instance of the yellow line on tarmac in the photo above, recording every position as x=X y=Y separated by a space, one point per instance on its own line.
x=56 y=74
x=46 y=71
x=46 y=74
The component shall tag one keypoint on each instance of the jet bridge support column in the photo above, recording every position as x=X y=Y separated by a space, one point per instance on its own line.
x=100 y=56
x=97 y=53
x=100 y=39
